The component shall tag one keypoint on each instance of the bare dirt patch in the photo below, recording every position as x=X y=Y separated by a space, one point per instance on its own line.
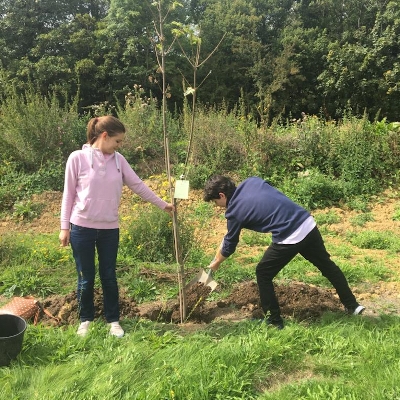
x=298 y=300
x=65 y=308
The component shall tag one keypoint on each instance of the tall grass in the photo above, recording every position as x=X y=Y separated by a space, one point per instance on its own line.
x=332 y=359
x=34 y=265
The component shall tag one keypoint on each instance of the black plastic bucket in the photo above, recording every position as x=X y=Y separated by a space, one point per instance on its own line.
x=12 y=329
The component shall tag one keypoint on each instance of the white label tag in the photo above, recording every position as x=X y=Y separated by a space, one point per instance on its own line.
x=181 y=189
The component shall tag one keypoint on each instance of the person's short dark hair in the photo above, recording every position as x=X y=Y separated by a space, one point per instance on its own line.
x=218 y=184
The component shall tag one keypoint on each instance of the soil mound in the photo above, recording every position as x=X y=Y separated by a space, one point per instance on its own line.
x=297 y=300
x=65 y=308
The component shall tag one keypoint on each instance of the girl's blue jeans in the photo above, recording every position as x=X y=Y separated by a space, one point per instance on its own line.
x=85 y=242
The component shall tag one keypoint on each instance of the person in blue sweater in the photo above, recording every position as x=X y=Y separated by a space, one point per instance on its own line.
x=256 y=205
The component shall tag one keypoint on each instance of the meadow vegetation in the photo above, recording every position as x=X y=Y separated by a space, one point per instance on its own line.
x=320 y=164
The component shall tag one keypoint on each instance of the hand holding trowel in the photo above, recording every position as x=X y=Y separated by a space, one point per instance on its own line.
x=206 y=277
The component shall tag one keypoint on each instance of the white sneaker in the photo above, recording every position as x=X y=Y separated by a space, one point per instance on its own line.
x=116 y=330
x=359 y=309
x=83 y=328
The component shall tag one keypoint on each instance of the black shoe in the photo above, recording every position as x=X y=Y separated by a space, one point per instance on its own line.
x=277 y=324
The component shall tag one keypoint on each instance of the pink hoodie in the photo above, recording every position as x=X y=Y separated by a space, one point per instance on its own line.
x=93 y=188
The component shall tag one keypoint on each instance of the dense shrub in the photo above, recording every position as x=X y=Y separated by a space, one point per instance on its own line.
x=318 y=163
x=218 y=145
x=322 y=164
x=37 y=129
x=149 y=236
x=314 y=190
x=16 y=184
x=144 y=141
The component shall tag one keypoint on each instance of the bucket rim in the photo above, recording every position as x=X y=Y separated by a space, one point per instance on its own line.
x=16 y=317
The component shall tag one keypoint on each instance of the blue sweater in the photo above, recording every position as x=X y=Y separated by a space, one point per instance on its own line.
x=258 y=206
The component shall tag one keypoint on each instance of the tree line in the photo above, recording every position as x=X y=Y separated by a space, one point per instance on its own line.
x=280 y=57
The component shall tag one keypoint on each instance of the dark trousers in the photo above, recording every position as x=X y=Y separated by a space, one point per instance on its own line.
x=84 y=243
x=312 y=248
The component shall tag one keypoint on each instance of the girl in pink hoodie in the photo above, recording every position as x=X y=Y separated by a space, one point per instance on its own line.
x=94 y=177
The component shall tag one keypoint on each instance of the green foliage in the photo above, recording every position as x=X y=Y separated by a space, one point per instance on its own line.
x=144 y=141
x=332 y=179
x=13 y=251
x=149 y=237
x=358 y=203
x=234 y=271
x=376 y=240
x=252 y=238
x=142 y=118
x=314 y=190
x=22 y=281
x=367 y=270
x=37 y=129
x=300 y=60
x=370 y=271
x=198 y=175
x=9 y=185
x=396 y=216
x=354 y=158
x=327 y=218
x=335 y=352
x=320 y=359
x=316 y=163
x=17 y=185
x=203 y=211
x=361 y=219
x=360 y=155
x=217 y=145
x=27 y=265
x=342 y=251
x=26 y=210
x=142 y=289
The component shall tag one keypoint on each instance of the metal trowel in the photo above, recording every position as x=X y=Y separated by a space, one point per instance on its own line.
x=205 y=278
